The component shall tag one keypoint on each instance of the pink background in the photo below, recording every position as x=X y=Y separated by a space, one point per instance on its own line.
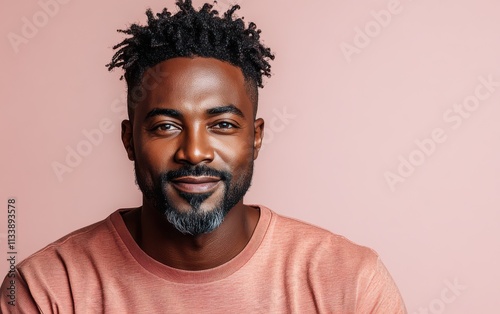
x=337 y=124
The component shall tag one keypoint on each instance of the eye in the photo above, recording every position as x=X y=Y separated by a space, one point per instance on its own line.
x=224 y=125
x=164 y=128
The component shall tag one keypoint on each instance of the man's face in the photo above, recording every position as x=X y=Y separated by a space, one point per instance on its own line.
x=193 y=142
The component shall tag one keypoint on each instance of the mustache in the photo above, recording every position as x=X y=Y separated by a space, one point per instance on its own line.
x=195 y=171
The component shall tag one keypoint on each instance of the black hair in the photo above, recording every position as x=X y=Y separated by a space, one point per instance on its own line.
x=191 y=33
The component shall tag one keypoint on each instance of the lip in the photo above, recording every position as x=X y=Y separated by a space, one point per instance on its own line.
x=196 y=184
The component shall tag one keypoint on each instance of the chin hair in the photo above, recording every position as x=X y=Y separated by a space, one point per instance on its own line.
x=195 y=222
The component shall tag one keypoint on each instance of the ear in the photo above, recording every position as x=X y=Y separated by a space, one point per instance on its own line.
x=127 y=139
x=258 y=136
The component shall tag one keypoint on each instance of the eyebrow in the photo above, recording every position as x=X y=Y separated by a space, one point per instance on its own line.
x=177 y=115
x=164 y=112
x=225 y=109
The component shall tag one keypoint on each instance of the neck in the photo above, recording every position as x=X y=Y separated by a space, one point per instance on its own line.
x=160 y=240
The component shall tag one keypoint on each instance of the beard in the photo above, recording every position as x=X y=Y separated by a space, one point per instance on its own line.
x=195 y=221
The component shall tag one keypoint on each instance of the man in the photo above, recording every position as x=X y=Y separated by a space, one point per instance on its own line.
x=193 y=246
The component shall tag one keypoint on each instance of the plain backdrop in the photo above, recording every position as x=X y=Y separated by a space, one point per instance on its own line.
x=382 y=125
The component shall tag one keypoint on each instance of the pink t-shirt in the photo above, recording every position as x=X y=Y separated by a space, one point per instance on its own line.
x=287 y=267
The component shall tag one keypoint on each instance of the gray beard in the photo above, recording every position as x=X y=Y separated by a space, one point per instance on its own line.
x=195 y=222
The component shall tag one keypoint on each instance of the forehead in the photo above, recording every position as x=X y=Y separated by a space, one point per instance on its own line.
x=194 y=83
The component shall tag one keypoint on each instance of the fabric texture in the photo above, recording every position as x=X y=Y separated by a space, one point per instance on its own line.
x=287 y=267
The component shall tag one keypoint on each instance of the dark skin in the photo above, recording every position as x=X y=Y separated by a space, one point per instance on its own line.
x=216 y=126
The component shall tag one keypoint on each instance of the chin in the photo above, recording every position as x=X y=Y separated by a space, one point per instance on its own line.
x=196 y=222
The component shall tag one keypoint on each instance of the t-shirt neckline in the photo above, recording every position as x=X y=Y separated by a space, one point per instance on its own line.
x=189 y=276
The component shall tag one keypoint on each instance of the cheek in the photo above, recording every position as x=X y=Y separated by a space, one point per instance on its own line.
x=237 y=154
x=153 y=157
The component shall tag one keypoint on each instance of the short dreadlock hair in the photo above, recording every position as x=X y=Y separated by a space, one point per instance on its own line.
x=192 y=33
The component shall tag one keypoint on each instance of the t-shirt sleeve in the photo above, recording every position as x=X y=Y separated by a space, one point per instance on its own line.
x=378 y=292
x=16 y=297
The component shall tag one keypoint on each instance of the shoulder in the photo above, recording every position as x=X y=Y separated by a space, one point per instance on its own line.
x=303 y=235
x=335 y=266
x=77 y=245
x=51 y=275
x=321 y=253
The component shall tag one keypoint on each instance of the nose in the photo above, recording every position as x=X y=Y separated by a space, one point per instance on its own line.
x=194 y=147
